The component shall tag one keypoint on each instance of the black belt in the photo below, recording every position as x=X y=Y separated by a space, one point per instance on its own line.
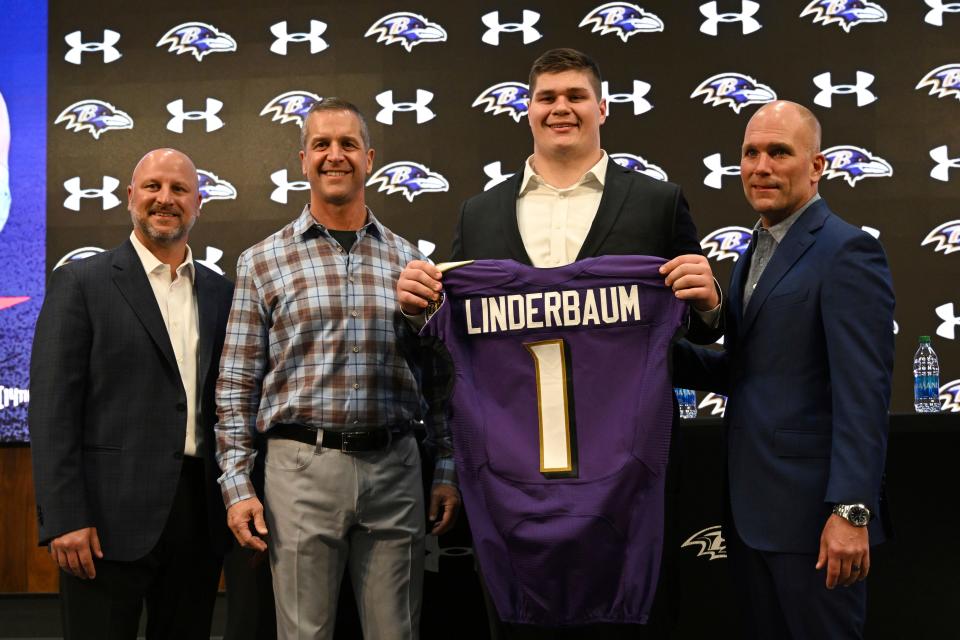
x=346 y=441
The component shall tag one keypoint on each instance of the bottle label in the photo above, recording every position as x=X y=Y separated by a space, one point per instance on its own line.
x=926 y=387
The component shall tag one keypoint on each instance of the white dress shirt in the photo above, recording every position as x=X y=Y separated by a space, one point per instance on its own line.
x=178 y=306
x=554 y=222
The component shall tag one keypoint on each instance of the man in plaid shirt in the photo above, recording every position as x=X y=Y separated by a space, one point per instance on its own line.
x=318 y=358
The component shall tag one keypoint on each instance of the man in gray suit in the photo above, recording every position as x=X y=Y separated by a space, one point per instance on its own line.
x=123 y=370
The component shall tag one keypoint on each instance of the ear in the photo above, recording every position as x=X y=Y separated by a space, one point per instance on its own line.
x=370 y=154
x=603 y=111
x=303 y=165
x=129 y=196
x=816 y=170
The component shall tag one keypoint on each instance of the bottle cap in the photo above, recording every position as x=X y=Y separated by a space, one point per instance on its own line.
x=924 y=339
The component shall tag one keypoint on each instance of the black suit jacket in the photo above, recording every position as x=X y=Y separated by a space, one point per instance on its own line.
x=108 y=411
x=638 y=215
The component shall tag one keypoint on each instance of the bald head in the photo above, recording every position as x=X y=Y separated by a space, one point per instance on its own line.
x=164 y=202
x=166 y=157
x=798 y=116
x=781 y=163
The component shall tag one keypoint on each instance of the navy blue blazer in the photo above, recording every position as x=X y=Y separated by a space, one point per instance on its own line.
x=108 y=408
x=807 y=371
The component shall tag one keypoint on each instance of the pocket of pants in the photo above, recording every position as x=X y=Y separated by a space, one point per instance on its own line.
x=288 y=455
x=407 y=450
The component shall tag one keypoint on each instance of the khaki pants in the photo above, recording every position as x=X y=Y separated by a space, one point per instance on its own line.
x=327 y=510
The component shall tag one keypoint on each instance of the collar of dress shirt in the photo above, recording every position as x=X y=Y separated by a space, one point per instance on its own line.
x=779 y=230
x=305 y=222
x=531 y=179
x=151 y=263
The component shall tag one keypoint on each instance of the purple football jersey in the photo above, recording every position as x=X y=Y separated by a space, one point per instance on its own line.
x=560 y=414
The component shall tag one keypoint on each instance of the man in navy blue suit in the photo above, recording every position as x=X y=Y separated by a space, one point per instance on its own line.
x=806 y=366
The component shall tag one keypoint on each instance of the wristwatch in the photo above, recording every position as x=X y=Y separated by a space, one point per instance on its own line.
x=856 y=514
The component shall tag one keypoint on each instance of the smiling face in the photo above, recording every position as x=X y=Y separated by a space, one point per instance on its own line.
x=163 y=199
x=565 y=115
x=334 y=158
x=781 y=163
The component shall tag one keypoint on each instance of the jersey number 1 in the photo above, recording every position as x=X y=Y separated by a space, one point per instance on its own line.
x=558 y=434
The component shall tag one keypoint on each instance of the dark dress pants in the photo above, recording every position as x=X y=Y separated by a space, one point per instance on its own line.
x=781 y=596
x=177 y=579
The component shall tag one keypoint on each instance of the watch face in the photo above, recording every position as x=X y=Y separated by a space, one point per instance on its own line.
x=859 y=516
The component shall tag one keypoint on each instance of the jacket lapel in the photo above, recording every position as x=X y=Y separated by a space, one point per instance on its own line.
x=800 y=237
x=131 y=280
x=507 y=206
x=207 y=318
x=615 y=189
x=738 y=279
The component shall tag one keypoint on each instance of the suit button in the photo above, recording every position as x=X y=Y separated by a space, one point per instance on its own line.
x=181 y=406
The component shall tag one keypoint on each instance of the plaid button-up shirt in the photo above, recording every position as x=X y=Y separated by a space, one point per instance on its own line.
x=316 y=337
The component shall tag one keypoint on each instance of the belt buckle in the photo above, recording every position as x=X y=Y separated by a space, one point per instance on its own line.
x=345 y=439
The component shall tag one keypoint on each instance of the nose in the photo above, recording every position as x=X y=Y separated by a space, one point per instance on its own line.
x=763 y=164
x=561 y=105
x=334 y=152
x=163 y=194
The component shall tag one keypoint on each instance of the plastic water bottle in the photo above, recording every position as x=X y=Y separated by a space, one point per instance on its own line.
x=926 y=378
x=687 y=401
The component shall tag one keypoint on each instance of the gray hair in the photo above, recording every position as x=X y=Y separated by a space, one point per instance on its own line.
x=335 y=104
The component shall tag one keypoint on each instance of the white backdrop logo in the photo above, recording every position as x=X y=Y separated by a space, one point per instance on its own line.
x=944 y=81
x=211 y=258
x=214 y=188
x=950 y=396
x=283 y=38
x=511 y=98
x=495 y=173
x=198 y=39
x=78 y=47
x=77 y=254
x=937 y=9
x=710 y=543
x=854 y=164
x=96 y=117
x=526 y=26
x=717 y=171
x=748 y=24
x=716 y=403
x=726 y=243
x=434 y=552
x=291 y=106
x=76 y=193
x=944 y=162
x=845 y=13
x=947 y=328
x=734 y=90
x=211 y=121
x=861 y=88
x=946 y=236
x=640 y=165
x=409 y=179
x=426 y=248
x=637 y=99
x=420 y=106
x=622 y=19
x=407 y=29
x=280 y=194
